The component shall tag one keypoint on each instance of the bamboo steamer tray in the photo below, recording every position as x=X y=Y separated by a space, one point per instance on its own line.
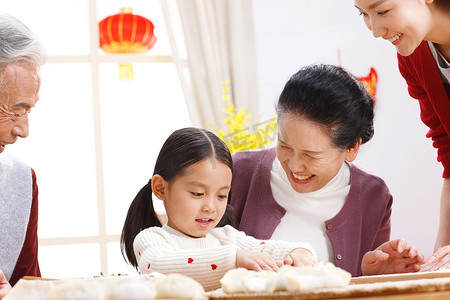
x=365 y=286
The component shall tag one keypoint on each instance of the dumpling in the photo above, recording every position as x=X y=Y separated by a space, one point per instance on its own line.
x=310 y=277
x=175 y=286
x=288 y=278
x=243 y=280
x=30 y=290
x=131 y=290
x=77 y=290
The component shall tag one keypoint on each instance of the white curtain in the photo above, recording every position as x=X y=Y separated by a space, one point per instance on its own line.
x=214 y=49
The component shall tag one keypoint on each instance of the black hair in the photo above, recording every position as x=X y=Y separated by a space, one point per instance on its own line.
x=183 y=148
x=330 y=96
x=443 y=3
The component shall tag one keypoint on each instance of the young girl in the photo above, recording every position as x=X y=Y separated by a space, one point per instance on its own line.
x=193 y=177
x=420 y=32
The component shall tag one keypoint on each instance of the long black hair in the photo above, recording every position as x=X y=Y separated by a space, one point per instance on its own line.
x=332 y=97
x=183 y=148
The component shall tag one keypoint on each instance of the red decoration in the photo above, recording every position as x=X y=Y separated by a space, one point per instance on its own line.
x=126 y=33
x=370 y=82
x=190 y=260
x=213 y=266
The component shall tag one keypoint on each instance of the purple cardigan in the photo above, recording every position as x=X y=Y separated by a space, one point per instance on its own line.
x=362 y=224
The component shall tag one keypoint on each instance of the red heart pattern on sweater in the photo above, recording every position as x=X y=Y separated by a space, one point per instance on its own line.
x=213 y=266
x=262 y=243
x=190 y=260
x=148 y=267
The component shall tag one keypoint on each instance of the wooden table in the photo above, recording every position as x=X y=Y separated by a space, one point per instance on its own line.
x=439 y=295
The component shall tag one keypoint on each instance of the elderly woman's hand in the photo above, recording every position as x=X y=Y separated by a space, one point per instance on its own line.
x=394 y=256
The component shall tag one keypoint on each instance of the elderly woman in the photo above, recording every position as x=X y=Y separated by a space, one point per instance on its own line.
x=307 y=189
x=20 y=58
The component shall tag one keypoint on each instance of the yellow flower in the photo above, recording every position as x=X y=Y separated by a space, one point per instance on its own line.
x=239 y=135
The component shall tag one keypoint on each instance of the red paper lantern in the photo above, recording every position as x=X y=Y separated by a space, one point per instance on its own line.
x=126 y=33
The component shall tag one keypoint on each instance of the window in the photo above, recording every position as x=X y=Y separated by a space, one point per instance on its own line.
x=93 y=138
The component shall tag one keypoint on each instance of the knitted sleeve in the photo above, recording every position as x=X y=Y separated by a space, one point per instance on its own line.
x=159 y=251
x=278 y=250
x=419 y=81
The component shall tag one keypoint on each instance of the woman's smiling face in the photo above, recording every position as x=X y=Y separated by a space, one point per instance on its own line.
x=404 y=23
x=307 y=153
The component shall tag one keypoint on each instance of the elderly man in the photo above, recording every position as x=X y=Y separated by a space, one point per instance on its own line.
x=20 y=58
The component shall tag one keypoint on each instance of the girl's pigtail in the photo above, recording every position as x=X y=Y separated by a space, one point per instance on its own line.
x=141 y=215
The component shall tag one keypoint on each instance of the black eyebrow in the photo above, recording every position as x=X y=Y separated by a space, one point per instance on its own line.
x=373 y=5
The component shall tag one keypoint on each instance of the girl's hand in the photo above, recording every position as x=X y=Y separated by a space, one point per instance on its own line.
x=300 y=257
x=394 y=256
x=438 y=261
x=256 y=261
x=5 y=287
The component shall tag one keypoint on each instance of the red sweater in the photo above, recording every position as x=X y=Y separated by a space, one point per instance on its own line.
x=425 y=84
x=27 y=263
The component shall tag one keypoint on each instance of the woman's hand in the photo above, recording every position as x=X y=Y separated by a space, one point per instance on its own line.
x=395 y=256
x=438 y=261
x=256 y=261
x=300 y=257
x=5 y=287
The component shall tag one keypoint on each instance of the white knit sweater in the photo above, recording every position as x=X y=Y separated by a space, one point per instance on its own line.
x=166 y=250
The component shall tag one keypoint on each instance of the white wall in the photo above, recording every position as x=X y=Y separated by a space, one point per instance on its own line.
x=294 y=33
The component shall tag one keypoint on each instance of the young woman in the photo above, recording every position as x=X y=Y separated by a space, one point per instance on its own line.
x=420 y=32
x=193 y=177
x=306 y=189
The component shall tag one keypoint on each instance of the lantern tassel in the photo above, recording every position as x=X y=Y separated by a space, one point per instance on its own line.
x=126 y=72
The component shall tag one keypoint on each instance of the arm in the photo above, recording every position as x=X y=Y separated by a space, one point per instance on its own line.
x=160 y=251
x=27 y=263
x=441 y=258
x=282 y=252
x=443 y=237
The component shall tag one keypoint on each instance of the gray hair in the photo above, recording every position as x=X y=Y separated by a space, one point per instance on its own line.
x=18 y=43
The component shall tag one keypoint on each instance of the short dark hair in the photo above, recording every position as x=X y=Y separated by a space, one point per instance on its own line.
x=330 y=96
